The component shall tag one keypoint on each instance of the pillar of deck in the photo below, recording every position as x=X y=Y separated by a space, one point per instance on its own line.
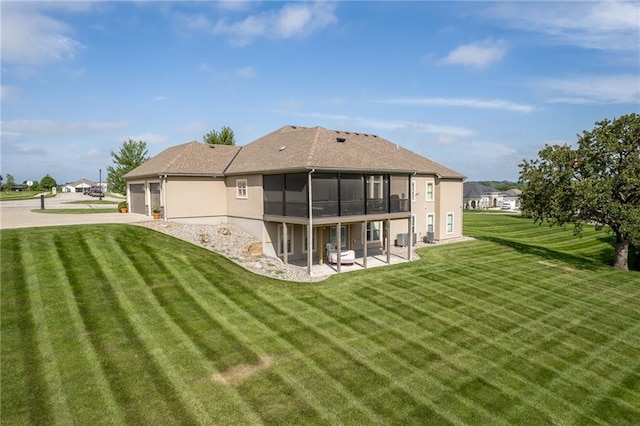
x=285 y=245
x=388 y=232
x=339 y=246
x=364 y=244
x=410 y=243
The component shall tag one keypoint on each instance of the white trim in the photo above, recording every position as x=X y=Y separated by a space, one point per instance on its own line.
x=413 y=191
x=433 y=222
x=429 y=195
x=314 y=241
x=289 y=237
x=452 y=223
x=372 y=227
x=242 y=189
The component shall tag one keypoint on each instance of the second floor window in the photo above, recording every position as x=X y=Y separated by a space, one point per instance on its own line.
x=429 y=191
x=241 y=188
x=375 y=187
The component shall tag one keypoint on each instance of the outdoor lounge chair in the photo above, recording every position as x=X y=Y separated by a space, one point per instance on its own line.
x=347 y=257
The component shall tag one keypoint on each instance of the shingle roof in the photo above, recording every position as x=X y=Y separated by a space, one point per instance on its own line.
x=304 y=148
x=80 y=182
x=189 y=159
x=476 y=190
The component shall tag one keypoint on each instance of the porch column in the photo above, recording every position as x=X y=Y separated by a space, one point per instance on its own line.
x=364 y=244
x=285 y=245
x=309 y=226
x=388 y=232
x=339 y=245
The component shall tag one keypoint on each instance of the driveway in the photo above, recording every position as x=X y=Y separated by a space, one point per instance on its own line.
x=18 y=214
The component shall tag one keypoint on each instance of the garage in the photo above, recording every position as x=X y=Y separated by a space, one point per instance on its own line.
x=137 y=205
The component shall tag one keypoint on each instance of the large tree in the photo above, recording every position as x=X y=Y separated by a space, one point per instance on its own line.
x=48 y=182
x=223 y=137
x=596 y=183
x=131 y=155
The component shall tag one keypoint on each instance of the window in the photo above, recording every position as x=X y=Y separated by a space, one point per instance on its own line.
x=430 y=221
x=449 y=223
x=281 y=240
x=413 y=191
x=429 y=191
x=375 y=187
x=373 y=231
x=413 y=224
x=305 y=237
x=344 y=237
x=241 y=188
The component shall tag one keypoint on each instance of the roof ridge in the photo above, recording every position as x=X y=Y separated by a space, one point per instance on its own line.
x=312 y=149
x=187 y=147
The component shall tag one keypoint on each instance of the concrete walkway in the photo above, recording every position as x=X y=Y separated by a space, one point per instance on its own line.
x=18 y=214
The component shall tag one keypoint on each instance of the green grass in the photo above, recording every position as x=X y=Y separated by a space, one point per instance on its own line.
x=75 y=211
x=92 y=201
x=119 y=324
x=23 y=195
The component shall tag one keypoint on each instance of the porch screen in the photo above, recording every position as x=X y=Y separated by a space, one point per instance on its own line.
x=325 y=194
x=273 y=190
x=295 y=195
x=351 y=194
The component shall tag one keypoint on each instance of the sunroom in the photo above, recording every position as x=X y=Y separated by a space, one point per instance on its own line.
x=351 y=212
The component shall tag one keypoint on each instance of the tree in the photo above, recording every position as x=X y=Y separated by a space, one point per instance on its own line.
x=10 y=181
x=48 y=182
x=596 y=183
x=224 y=137
x=131 y=155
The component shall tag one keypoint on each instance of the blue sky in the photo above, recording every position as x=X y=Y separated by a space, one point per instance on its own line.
x=477 y=86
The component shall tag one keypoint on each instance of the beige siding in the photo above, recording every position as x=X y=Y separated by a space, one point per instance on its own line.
x=448 y=201
x=422 y=206
x=250 y=207
x=195 y=197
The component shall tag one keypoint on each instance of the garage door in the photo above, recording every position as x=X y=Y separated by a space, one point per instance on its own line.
x=136 y=191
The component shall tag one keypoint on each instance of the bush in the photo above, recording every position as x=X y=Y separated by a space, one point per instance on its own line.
x=123 y=205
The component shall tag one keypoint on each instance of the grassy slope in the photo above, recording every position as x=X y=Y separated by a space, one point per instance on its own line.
x=127 y=325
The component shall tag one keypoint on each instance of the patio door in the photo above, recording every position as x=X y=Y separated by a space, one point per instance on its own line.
x=344 y=237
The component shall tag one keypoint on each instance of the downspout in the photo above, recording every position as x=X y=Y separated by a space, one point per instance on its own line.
x=409 y=233
x=310 y=226
x=163 y=196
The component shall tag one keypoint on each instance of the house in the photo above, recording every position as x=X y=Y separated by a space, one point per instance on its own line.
x=364 y=192
x=78 y=186
x=479 y=196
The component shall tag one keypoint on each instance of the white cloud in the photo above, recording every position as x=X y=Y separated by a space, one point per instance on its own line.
x=613 y=89
x=477 y=55
x=246 y=72
x=50 y=127
x=7 y=93
x=392 y=125
x=292 y=20
x=610 y=25
x=496 y=104
x=159 y=98
x=149 y=138
x=29 y=37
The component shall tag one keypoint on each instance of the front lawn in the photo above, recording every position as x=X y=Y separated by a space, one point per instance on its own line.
x=75 y=211
x=120 y=324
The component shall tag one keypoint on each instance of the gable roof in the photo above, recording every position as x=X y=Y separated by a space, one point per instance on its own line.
x=188 y=159
x=80 y=182
x=292 y=148
x=476 y=190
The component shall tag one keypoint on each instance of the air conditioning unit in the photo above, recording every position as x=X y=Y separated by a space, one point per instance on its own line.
x=402 y=240
x=430 y=238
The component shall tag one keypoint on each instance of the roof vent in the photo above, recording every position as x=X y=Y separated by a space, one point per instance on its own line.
x=282 y=148
x=340 y=139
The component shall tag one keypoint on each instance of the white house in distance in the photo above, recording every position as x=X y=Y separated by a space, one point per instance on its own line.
x=478 y=196
x=303 y=190
x=78 y=185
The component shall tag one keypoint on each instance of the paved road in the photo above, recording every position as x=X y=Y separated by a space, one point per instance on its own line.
x=18 y=214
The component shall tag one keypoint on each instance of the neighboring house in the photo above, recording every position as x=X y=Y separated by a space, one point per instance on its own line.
x=512 y=197
x=78 y=186
x=479 y=196
x=365 y=193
